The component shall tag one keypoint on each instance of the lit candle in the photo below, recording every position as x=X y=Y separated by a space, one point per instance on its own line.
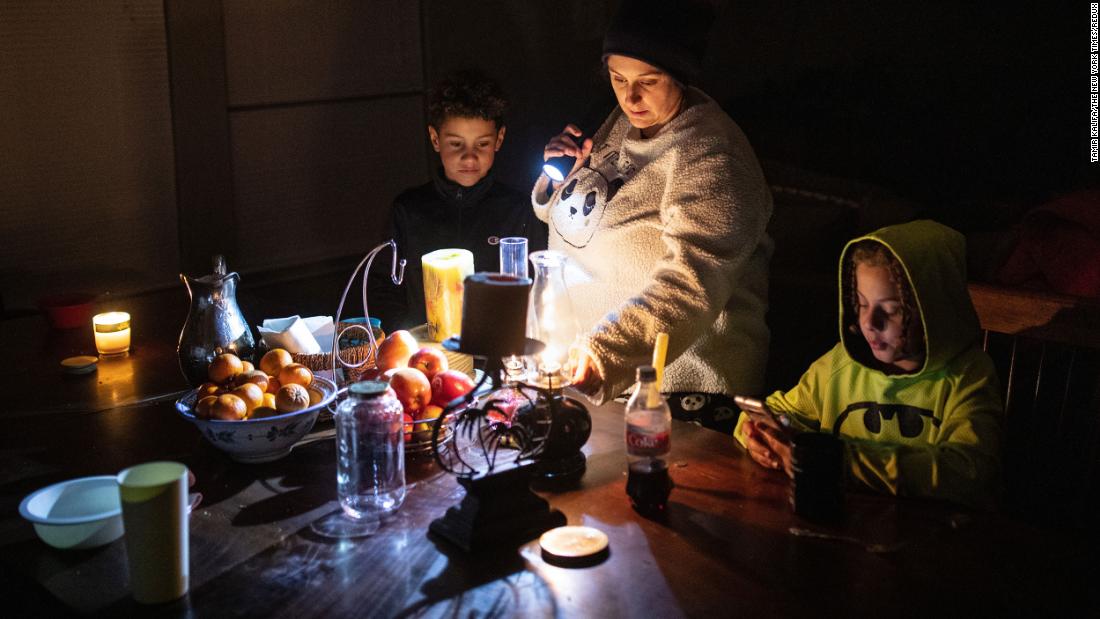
x=112 y=332
x=444 y=272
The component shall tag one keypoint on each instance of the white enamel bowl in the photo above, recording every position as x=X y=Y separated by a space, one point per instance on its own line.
x=78 y=513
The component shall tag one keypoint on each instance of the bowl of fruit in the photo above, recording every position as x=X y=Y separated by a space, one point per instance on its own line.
x=257 y=414
x=424 y=383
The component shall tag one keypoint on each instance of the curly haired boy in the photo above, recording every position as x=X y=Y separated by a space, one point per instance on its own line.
x=462 y=206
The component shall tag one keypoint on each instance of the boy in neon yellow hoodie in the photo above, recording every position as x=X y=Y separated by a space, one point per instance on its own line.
x=908 y=388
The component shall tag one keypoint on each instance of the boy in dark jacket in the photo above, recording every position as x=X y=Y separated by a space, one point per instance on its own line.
x=462 y=206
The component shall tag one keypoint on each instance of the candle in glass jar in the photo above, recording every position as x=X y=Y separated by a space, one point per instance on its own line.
x=112 y=332
x=444 y=273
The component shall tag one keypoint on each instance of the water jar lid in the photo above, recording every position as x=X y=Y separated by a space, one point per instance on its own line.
x=368 y=388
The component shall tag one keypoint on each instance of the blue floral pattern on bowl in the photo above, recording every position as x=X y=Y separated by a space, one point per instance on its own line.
x=259 y=440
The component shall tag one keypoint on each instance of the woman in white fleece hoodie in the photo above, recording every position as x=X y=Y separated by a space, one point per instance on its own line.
x=665 y=215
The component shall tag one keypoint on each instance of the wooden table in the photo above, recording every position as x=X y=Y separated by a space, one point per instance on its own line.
x=730 y=546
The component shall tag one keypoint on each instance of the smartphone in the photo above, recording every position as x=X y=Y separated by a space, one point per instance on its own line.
x=760 y=413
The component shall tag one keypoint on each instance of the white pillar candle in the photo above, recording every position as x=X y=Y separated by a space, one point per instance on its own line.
x=112 y=332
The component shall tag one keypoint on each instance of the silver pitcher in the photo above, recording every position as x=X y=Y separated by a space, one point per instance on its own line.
x=214 y=324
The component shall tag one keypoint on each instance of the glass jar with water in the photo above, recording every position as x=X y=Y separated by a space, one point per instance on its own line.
x=370 y=460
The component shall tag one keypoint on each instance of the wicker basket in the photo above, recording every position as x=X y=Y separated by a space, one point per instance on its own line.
x=358 y=355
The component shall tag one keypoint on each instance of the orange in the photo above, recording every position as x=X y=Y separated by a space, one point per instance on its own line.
x=204 y=408
x=255 y=376
x=291 y=398
x=248 y=367
x=296 y=374
x=224 y=367
x=275 y=360
x=273 y=384
x=229 y=407
x=251 y=393
x=269 y=401
x=206 y=389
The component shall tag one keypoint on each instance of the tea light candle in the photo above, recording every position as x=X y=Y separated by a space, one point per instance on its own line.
x=112 y=332
x=444 y=272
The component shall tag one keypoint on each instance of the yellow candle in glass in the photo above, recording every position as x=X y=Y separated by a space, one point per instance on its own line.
x=112 y=332
x=444 y=273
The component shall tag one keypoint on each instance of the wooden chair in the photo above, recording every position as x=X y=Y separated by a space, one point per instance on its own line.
x=1047 y=351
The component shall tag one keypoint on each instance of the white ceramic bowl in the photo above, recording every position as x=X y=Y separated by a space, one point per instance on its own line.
x=78 y=513
x=259 y=440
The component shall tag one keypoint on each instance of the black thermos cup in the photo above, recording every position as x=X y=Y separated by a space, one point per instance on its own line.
x=817 y=488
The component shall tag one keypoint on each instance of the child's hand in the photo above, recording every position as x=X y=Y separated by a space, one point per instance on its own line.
x=565 y=144
x=769 y=448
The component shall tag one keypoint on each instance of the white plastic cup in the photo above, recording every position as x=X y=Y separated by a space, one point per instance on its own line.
x=513 y=256
x=155 y=518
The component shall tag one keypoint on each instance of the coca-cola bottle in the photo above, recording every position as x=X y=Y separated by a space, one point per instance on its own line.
x=648 y=425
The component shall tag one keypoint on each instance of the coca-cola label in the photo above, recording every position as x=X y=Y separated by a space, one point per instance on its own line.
x=642 y=444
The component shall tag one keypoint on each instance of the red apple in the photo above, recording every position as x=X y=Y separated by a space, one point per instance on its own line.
x=395 y=350
x=412 y=388
x=448 y=385
x=431 y=361
x=408 y=428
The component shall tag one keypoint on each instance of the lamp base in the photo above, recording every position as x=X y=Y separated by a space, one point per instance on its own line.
x=562 y=463
x=499 y=510
x=561 y=473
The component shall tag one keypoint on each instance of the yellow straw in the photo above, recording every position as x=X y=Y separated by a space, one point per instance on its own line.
x=660 y=348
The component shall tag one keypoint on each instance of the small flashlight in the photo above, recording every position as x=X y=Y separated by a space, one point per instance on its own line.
x=559 y=167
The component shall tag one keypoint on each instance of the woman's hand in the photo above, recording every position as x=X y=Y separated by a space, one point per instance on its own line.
x=586 y=378
x=565 y=143
x=768 y=447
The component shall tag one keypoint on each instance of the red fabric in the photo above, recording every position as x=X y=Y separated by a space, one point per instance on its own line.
x=1059 y=247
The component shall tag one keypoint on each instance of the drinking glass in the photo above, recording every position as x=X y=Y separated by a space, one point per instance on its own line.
x=513 y=261
x=513 y=256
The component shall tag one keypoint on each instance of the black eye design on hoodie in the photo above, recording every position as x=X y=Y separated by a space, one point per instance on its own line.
x=910 y=422
x=568 y=191
x=589 y=202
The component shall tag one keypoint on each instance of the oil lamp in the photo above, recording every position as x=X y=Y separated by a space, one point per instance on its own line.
x=551 y=320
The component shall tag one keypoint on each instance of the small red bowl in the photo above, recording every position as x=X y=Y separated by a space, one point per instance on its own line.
x=68 y=311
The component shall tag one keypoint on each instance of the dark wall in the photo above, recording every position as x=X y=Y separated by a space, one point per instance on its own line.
x=974 y=110
x=285 y=118
x=963 y=106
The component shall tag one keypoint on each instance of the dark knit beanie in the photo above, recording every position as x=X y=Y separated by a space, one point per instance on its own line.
x=668 y=34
